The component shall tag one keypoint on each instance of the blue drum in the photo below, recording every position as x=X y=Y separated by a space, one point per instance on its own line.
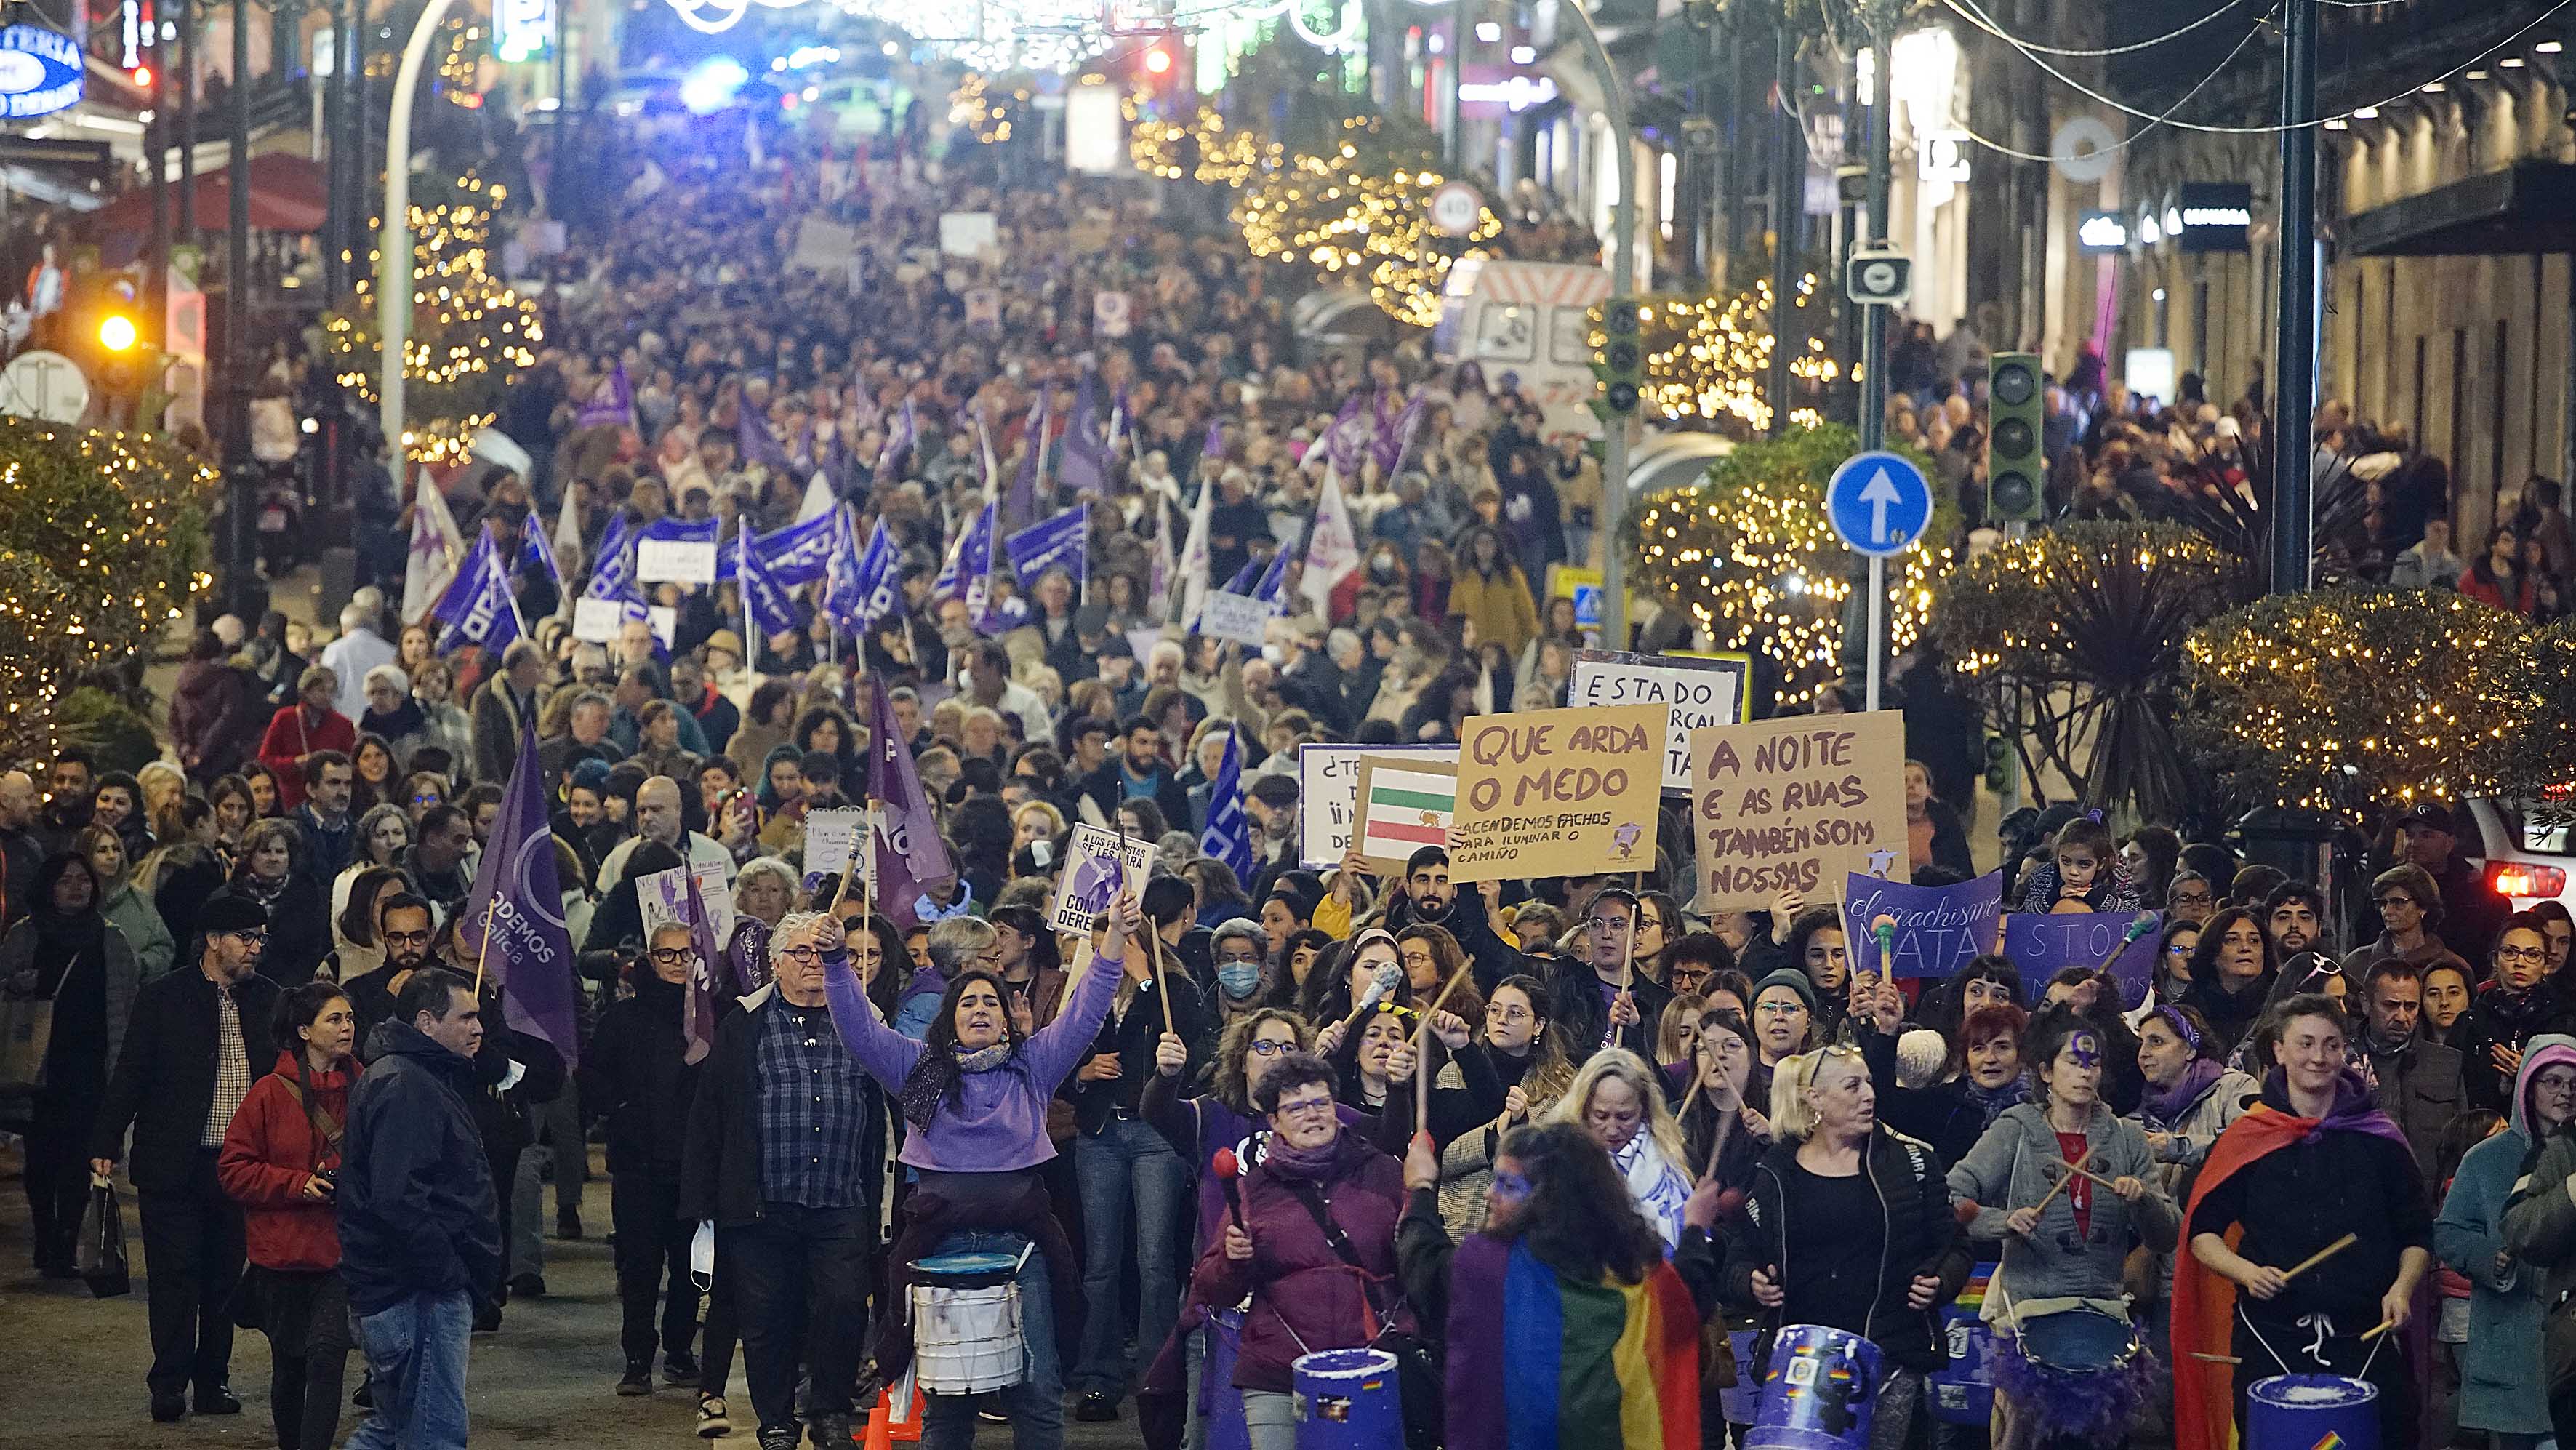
x=1964 y=1393
x=1818 y=1392
x=1742 y=1400
x=1348 y=1399
x=2312 y=1412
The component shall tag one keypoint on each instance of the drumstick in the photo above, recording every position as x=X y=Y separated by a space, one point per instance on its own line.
x=1422 y=1049
x=2080 y=1171
x=2321 y=1255
x=2042 y=1205
x=2385 y=1325
x=2216 y=1358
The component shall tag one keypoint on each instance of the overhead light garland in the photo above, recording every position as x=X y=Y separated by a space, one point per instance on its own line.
x=1751 y=556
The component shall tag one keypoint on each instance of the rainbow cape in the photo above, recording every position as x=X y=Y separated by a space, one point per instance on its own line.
x=1567 y=1365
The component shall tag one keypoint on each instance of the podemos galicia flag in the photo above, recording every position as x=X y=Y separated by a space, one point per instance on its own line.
x=518 y=899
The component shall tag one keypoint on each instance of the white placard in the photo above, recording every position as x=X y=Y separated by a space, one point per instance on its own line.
x=664 y=622
x=823 y=245
x=1109 y=314
x=1236 y=617
x=1328 y=793
x=683 y=561
x=1096 y=864
x=1702 y=690
x=598 y=620
x=968 y=233
x=830 y=837
x=663 y=897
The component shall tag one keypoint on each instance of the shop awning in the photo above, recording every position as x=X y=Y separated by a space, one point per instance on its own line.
x=287 y=194
x=2516 y=212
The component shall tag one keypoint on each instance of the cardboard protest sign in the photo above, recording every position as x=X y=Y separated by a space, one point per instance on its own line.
x=598 y=620
x=1328 y=793
x=682 y=561
x=1557 y=793
x=1237 y=617
x=1096 y=864
x=830 y=837
x=663 y=897
x=2043 y=943
x=1703 y=690
x=1938 y=929
x=1399 y=807
x=1796 y=805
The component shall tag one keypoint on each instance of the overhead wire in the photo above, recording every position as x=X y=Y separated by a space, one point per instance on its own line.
x=2140 y=133
x=1968 y=10
x=2135 y=46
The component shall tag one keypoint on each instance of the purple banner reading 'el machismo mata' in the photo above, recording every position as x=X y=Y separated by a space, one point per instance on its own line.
x=1937 y=929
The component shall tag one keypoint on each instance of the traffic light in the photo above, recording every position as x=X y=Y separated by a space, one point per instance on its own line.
x=2016 y=460
x=117 y=332
x=1622 y=365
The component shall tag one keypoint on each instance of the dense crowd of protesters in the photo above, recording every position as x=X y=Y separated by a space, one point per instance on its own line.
x=258 y=966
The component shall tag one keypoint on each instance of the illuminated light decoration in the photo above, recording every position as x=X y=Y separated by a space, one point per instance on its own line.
x=1753 y=559
x=522 y=29
x=711 y=17
x=41 y=72
x=1362 y=218
x=1350 y=37
x=1158 y=60
x=116 y=332
x=1524 y=55
x=712 y=84
x=2341 y=699
x=1518 y=93
x=2102 y=231
x=1709 y=356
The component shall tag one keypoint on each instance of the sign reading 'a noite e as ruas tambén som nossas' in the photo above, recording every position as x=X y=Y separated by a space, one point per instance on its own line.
x=1795 y=805
x=1557 y=792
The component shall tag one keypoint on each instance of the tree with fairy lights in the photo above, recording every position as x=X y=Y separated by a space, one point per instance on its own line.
x=1750 y=555
x=2541 y=765
x=2072 y=642
x=470 y=331
x=2338 y=699
x=1359 y=210
x=1708 y=356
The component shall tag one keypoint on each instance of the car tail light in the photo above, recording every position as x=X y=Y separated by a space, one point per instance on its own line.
x=2523 y=879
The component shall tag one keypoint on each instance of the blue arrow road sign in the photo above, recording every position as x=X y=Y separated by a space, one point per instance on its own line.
x=1879 y=503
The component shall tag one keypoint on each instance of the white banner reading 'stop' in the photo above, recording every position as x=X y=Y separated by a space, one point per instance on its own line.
x=1703 y=690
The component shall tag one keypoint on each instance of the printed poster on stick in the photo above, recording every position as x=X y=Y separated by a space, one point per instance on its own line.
x=663 y=897
x=1328 y=793
x=1557 y=793
x=1796 y=805
x=1402 y=806
x=1097 y=863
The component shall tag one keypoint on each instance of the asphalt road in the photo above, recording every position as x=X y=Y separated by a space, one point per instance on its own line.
x=76 y=1363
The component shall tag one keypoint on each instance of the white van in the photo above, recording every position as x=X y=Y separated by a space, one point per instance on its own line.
x=1531 y=320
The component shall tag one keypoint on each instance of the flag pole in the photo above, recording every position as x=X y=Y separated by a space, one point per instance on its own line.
x=484 y=950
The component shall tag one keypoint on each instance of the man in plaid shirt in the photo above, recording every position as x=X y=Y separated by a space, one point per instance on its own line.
x=784 y=1138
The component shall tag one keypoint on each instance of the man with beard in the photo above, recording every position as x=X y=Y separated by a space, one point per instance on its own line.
x=404 y=929
x=2294 y=916
x=1425 y=897
x=436 y=862
x=68 y=802
x=1138 y=772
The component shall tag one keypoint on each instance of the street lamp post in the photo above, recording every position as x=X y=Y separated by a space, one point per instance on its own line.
x=2294 y=403
x=240 y=473
x=394 y=267
x=1623 y=279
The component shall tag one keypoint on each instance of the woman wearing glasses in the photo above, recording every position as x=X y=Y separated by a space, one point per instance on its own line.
x=637 y=1074
x=1529 y=1066
x=1314 y=1248
x=2515 y=1003
x=974 y=1094
x=1848 y=1225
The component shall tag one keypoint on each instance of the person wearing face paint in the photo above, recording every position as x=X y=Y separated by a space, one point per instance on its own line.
x=2518 y=1001
x=2313 y=1161
x=1313 y=1251
x=280 y=1162
x=2063 y=1246
x=973 y=1093
x=1560 y=1244
x=2503 y=1382
x=1849 y=1225
x=2232 y=972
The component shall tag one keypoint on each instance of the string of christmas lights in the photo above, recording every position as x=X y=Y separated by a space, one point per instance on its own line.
x=1709 y=356
x=1364 y=216
x=1752 y=557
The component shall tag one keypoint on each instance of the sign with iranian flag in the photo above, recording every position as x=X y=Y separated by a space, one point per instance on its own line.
x=1402 y=806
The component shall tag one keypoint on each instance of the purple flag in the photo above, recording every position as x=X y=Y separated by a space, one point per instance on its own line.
x=1342 y=440
x=759 y=444
x=698 y=1009
x=1085 y=460
x=1395 y=436
x=905 y=852
x=516 y=917
x=1022 y=507
x=613 y=403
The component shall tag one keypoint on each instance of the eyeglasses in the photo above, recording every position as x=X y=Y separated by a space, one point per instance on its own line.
x=1265 y=1047
x=2192 y=898
x=1305 y=1108
x=406 y=938
x=1781 y=1009
x=670 y=956
x=251 y=937
x=2522 y=954
x=2396 y=898
x=808 y=954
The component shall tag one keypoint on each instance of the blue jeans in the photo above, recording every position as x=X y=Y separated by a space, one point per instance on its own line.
x=1035 y=1404
x=415 y=1352
x=1134 y=1189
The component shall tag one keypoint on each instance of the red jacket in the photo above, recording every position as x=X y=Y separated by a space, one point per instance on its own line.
x=268 y=1153
x=291 y=737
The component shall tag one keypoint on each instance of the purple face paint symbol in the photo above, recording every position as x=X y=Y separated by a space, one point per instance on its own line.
x=2086 y=1049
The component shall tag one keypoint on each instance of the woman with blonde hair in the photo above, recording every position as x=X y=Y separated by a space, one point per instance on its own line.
x=1617 y=1100
x=1677 y=1030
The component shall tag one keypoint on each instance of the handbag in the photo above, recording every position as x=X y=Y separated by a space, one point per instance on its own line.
x=102 y=1246
x=1420 y=1380
x=26 y=1031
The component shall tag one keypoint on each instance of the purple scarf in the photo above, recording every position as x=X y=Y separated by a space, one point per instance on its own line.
x=2165 y=1106
x=2353 y=1110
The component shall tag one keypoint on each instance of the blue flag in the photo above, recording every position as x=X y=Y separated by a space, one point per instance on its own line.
x=1061 y=542
x=1268 y=589
x=674 y=529
x=759 y=444
x=864 y=588
x=533 y=549
x=765 y=606
x=1228 y=836
x=968 y=561
x=613 y=575
x=513 y=920
x=793 y=555
x=478 y=607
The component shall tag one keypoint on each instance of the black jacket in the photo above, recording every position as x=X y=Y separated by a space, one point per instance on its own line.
x=416 y=1212
x=1107 y=788
x=1923 y=1238
x=1468 y=922
x=164 y=1082
x=299 y=930
x=636 y=1075
x=1585 y=1019
x=720 y=1169
x=1133 y=1039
